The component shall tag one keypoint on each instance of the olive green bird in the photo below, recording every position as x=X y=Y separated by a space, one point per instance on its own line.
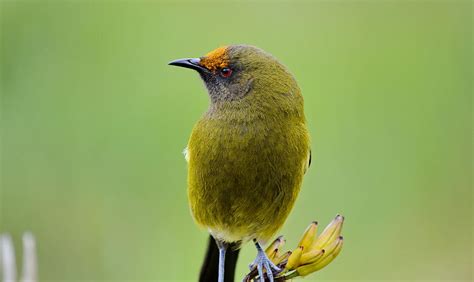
x=249 y=151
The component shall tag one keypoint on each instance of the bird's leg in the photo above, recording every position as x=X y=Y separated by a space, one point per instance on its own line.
x=222 y=249
x=263 y=262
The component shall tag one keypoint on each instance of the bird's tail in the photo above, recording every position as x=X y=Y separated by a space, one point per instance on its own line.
x=210 y=266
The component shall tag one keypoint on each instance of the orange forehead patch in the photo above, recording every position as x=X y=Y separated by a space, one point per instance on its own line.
x=216 y=59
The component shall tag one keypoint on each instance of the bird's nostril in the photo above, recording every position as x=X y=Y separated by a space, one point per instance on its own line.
x=195 y=61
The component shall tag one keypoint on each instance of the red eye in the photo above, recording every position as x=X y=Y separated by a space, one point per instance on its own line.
x=226 y=72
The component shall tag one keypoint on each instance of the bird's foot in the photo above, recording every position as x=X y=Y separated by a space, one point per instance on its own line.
x=264 y=265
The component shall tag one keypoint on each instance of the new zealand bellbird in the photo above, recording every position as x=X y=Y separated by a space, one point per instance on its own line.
x=248 y=153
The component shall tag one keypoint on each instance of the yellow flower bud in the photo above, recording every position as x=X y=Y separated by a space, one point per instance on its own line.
x=280 y=259
x=294 y=259
x=272 y=251
x=309 y=235
x=329 y=234
x=327 y=258
x=311 y=256
x=330 y=257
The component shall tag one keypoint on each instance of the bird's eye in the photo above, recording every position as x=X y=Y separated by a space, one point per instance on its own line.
x=225 y=72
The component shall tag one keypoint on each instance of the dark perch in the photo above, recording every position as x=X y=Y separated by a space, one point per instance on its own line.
x=209 y=269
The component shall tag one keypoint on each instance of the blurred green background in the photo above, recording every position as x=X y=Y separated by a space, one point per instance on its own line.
x=93 y=123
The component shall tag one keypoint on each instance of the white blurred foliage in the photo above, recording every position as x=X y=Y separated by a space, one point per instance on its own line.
x=8 y=270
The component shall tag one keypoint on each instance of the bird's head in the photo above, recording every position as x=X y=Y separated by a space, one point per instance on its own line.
x=239 y=72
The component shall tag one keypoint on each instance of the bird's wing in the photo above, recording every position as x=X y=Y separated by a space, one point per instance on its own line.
x=186 y=154
x=308 y=161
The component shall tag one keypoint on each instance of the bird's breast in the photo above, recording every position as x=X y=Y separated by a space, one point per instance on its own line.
x=242 y=175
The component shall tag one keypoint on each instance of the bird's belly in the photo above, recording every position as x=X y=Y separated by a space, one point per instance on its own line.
x=243 y=190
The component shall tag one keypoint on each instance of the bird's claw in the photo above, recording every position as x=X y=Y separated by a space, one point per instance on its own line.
x=264 y=266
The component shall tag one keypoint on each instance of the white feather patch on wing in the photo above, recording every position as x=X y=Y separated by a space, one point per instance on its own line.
x=186 y=154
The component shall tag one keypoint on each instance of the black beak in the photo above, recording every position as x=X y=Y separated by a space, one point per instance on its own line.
x=190 y=63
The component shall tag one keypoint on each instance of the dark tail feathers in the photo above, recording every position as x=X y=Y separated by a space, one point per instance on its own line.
x=209 y=269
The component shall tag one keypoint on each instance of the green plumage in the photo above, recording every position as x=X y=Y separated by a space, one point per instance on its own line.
x=249 y=151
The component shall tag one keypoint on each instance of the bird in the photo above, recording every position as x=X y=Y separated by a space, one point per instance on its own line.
x=249 y=151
